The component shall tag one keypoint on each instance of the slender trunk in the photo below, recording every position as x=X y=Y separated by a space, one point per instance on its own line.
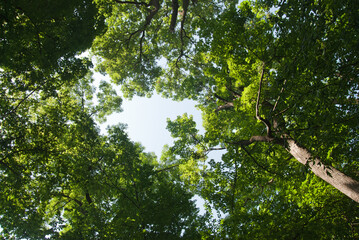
x=334 y=177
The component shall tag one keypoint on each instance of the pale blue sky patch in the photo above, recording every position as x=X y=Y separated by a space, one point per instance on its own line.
x=146 y=120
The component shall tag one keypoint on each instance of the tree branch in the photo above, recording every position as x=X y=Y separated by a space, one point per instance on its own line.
x=141 y=44
x=228 y=105
x=265 y=121
x=115 y=186
x=234 y=93
x=174 y=15
x=88 y=198
x=185 y=4
x=132 y=2
x=73 y=199
x=281 y=91
x=221 y=98
x=156 y=5
x=256 y=162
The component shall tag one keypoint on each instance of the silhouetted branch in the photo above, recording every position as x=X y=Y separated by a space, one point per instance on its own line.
x=174 y=15
x=132 y=2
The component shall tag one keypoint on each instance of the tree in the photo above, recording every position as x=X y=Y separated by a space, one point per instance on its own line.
x=63 y=180
x=142 y=35
x=59 y=178
x=276 y=82
x=33 y=39
x=39 y=54
x=258 y=42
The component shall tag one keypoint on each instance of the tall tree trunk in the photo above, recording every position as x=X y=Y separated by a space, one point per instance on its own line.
x=334 y=177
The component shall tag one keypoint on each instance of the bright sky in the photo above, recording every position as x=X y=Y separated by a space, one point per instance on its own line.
x=146 y=118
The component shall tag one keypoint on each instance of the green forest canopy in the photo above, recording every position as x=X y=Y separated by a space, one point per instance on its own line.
x=277 y=85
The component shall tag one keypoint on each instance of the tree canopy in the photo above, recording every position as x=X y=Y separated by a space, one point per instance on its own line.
x=277 y=85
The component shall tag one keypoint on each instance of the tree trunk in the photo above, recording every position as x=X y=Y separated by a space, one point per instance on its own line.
x=334 y=177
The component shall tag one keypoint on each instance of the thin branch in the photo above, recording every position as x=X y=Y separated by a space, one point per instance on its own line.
x=266 y=122
x=132 y=2
x=256 y=162
x=185 y=4
x=73 y=199
x=283 y=111
x=121 y=190
x=216 y=149
x=88 y=198
x=221 y=98
x=150 y=16
x=228 y=104
x=22 y=101
x=259 y=94
x=198 y=141
x=281 y=91
x=141 y=45
x=84 y=212
x=234 y=93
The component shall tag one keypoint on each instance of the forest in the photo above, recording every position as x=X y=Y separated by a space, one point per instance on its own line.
x=277 y=84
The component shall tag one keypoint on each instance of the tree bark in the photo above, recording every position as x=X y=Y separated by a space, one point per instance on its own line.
x=334 y=177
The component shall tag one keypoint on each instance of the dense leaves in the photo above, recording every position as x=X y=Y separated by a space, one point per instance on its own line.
x=59 y=178
x=267 y=74
x=277 y=84
x=66 y=181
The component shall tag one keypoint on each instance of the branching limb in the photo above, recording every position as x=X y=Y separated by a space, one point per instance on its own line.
x=259 y=95
x=185 y=4
x=216 y=149
x=156 y=6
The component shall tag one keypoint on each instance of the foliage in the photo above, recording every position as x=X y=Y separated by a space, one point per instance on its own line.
x=59 y=178
x=265 y=73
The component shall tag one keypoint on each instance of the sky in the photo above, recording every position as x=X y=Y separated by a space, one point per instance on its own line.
x=146 y=119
